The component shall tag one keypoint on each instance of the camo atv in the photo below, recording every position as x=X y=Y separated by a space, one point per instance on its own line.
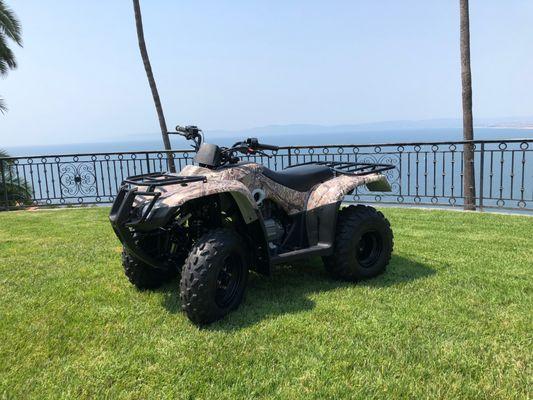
x=214 y=221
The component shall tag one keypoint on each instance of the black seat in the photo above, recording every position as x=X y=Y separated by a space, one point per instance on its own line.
x=300 y=178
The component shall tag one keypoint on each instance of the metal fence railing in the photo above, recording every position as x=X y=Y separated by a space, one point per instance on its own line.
x=429 y=173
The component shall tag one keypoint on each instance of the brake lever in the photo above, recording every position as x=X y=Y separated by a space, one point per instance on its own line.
x=260 y=152
x=182 y=134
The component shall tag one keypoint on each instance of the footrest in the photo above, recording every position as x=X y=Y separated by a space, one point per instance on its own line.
x=318 y=250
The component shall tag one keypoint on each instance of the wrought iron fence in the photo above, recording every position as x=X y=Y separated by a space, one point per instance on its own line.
x=429 y=173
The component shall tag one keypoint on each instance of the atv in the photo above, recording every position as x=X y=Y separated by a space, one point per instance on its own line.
x=214 y=221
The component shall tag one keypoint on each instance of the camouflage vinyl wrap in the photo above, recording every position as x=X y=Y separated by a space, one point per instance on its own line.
x=250 y=175
x=335 y=189
x=247 y=177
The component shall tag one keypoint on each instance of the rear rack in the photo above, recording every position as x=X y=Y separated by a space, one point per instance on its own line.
x=351 y=168
x=161 y=179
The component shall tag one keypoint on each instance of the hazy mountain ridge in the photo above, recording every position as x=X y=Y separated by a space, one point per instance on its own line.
x=442 y=123
x=305 y=134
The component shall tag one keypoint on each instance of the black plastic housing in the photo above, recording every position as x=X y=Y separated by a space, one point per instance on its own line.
x=208 y=155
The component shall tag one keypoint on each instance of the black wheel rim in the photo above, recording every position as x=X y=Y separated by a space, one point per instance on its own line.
x=229 y=281
x=369 y=248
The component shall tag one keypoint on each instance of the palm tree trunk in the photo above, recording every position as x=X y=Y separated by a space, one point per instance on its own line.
x=469 y=191
x=153 y=86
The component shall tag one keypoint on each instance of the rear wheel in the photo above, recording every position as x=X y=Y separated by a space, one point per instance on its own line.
x=214 y=276
x=363 y=244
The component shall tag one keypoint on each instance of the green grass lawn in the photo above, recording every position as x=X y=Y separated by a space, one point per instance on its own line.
x=451 y=318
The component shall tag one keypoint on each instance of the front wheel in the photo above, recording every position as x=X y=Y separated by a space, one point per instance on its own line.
x=144 y=276
x=214 y=276
x=363 y=244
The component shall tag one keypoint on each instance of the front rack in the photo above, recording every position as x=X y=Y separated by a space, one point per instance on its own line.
x=121 y=210
x=351 y=168
x=161 y=179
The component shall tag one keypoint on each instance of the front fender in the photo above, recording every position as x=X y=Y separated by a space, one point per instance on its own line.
x=170 y=198
x=174 y=196
x=169 y=203
x=177 y=196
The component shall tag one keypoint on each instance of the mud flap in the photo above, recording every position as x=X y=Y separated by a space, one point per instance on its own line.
x=321 y=223
x=381 y=185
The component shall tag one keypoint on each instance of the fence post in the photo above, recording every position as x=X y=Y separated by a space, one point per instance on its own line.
x=148 y=162
x=481 y=168
x=289 y=154
x=4 y=184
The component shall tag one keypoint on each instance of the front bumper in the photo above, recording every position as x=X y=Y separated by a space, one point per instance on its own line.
x=125 y=222
x=127 y=219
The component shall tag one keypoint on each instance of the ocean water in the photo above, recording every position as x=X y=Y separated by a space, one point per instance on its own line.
x=322 y=138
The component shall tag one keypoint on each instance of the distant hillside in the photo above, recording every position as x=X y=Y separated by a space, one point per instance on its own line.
x=306 y=134
x=444 y=123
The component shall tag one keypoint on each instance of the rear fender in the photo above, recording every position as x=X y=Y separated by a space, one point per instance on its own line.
x=324 y=201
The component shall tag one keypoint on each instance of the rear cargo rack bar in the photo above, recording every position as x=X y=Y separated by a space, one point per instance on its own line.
x=351 y=168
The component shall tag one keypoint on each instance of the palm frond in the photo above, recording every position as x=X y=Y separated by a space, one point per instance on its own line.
x=9 y=24
x=8 y=164
x=16 y=190
x=3 y=110
x=6 y=54
x=9 y=29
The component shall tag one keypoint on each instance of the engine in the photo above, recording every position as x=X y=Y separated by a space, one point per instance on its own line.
x=274 y=230
x=275 y=222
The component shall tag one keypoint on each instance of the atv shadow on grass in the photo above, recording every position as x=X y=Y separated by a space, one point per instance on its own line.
x=289 y=288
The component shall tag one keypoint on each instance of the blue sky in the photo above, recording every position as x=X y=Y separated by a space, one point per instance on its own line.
x=239 y=64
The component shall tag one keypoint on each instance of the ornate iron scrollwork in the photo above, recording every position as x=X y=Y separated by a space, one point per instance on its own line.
x=77 y=179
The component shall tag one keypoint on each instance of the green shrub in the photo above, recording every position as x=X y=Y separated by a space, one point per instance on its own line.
x=14 y=189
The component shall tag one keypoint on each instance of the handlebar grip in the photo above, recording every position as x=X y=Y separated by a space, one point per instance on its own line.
x=267 y=146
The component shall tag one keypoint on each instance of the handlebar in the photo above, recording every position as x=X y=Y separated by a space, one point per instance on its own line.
x=191 y=132
x=250 y=146
x=254 y=144
x=268 y=147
